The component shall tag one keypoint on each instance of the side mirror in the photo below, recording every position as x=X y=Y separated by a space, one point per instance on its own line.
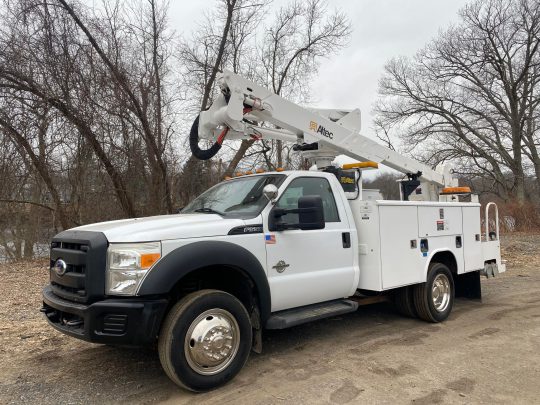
x=310 y=215
x=310 y=212
x=270 y=191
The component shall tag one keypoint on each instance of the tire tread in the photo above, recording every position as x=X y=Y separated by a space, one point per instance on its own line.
x=405 y=303
x=166 y=336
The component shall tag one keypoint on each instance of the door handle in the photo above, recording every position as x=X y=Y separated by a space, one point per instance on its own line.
x=346 y=239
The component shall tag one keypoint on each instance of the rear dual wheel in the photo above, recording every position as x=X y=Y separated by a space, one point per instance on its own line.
x=431 y=301
x=434 y=299
x=404 y=301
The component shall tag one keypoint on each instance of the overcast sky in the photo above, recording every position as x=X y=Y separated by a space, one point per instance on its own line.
x=382 y=29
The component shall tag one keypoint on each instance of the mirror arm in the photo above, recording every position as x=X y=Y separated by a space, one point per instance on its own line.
x=279 y=212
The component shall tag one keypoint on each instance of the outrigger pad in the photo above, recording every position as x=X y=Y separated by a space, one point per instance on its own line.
x=468 y=285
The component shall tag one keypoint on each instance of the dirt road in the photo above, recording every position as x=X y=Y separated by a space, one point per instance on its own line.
x=486 y=352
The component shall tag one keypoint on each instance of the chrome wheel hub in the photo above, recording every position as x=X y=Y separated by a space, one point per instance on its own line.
x=212 y=341
x=441 y=292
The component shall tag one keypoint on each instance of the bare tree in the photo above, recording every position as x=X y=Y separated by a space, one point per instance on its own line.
x=222 y=41
x=138 y=103
x=470 y=95
x=18 y=134
x=103 y=72
x=91 y=100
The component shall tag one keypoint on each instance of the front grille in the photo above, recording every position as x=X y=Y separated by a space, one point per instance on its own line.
x=70 y=246
x=72 y=268
x=68 y=290
x=76 y=269
x=84 y=254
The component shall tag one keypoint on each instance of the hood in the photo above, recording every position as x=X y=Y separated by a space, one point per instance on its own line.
x=164 y=227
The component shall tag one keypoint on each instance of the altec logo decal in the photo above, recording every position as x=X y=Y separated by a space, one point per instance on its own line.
x=313 y=126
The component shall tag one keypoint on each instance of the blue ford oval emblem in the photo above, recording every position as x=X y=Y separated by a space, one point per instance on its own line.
x=60 y=267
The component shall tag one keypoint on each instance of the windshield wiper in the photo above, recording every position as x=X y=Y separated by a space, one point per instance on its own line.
x=209 y=211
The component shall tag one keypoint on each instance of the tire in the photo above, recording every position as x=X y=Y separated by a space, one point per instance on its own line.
x=205 y=314
x=434 y=299
x=404 y=301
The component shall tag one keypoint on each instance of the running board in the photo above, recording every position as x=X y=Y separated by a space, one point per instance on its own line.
x=297 y=316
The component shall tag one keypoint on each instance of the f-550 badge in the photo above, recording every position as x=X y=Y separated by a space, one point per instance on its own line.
x=313 y=126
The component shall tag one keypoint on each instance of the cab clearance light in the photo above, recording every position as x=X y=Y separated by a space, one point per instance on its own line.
x=280 y=169
x=361 y=165
x=248 y=173
x=238 y=174
x=259 y=171
x=227 y=178
x=455 y=190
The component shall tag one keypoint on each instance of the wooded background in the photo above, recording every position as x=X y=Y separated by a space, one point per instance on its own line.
x=95 y=103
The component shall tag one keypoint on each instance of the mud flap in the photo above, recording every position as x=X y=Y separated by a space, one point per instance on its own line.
x=256 y=344
x=468 y=285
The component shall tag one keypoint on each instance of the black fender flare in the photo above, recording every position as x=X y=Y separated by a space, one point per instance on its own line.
x=185 y=259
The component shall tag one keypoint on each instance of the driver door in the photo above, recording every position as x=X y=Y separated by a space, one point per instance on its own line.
x=309 y=266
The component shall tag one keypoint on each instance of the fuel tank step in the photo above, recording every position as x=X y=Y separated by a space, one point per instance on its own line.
x=297 y=316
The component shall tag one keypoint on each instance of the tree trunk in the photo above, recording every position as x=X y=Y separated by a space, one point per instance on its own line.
x=244 y=146
x=279 y=151
x=20 y=140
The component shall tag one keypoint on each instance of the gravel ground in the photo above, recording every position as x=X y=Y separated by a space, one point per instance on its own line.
x=486 y=352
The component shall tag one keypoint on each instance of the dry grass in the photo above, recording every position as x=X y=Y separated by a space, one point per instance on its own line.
x=519 y=217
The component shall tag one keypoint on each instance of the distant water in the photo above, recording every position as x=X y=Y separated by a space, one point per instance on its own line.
x=40 y=250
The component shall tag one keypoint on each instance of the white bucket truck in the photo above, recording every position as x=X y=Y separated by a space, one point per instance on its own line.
x=270 y=250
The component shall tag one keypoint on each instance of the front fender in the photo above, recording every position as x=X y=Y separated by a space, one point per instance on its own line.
x=183 y=260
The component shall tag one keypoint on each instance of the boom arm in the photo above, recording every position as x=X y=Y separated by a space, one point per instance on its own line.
x=320 y=134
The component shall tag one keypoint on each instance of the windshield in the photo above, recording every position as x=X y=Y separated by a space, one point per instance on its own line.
x=239 y=198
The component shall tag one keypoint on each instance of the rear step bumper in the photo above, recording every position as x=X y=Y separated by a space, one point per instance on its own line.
x=297 y=316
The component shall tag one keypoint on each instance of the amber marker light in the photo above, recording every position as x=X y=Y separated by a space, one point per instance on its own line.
x=361 y=165
x=456 y=190
x=148 y=259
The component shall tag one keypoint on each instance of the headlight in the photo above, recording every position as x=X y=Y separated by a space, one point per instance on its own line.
x=127 y=264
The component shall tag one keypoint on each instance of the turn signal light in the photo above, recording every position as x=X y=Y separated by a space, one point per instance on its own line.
x=148 y=259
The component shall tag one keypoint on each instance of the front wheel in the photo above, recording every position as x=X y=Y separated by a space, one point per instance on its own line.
x=434 y=299
x=205 y=340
